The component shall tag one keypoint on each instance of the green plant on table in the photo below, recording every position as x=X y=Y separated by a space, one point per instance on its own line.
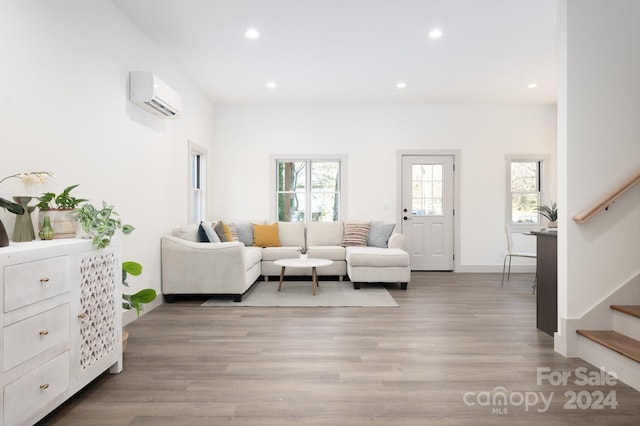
x=101 y=224
x=62 y=201
x=549 y=212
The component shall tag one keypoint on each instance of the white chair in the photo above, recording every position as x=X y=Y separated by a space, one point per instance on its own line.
x=511 y=253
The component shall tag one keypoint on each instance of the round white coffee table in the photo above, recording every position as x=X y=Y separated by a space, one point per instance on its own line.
x=302 y=263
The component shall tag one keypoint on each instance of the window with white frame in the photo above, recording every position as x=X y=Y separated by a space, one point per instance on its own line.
x=527 y=179
x=309 y=189
x=197 y=183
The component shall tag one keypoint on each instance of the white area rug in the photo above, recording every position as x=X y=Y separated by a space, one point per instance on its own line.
x=299 y=293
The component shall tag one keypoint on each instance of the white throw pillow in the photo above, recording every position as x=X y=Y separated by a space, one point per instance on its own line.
x=291 y=234
x=325 y=233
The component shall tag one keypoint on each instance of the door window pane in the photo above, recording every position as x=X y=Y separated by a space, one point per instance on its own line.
x=426 y=190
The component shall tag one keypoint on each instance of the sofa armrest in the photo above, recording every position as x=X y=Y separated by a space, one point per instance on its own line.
x=397 y=240
x=200 y=268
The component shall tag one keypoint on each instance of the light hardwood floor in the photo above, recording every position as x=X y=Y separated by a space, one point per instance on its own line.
x=454 y=338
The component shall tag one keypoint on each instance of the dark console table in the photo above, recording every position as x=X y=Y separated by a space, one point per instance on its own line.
x=547 y=272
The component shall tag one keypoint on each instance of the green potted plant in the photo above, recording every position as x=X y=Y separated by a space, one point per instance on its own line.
x=304 y=252
x=134 y=301
x=550 y=213
x=59 y=208
x=100 y=224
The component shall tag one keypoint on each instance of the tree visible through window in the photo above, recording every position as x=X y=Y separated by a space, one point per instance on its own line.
x=308 y=190
x=525 y=191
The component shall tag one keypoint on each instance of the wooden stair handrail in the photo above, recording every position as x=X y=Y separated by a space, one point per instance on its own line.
x=605 y=201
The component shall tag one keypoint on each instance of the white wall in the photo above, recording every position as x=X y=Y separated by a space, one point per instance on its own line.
x=599 y=145
x=370 y=135
x=64 y=108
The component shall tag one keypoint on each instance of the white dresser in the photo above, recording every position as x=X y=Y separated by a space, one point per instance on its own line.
x=61 y=323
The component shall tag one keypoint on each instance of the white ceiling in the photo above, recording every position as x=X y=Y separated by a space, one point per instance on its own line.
x=357 y=50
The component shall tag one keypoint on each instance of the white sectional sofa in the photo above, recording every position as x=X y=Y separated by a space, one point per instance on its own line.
x=230 y=268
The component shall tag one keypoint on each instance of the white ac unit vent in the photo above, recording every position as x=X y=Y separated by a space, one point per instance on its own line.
x=149 y=92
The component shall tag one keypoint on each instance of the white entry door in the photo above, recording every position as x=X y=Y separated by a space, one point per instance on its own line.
x=427 y=211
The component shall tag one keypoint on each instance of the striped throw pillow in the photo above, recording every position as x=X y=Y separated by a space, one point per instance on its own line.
x=355 y=234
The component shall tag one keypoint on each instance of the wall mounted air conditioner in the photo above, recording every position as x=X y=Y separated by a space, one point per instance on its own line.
x=149 y=92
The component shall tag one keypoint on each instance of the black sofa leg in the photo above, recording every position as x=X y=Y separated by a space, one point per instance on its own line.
x=169 y=298
x=356 y=286
x=403 y=286
x=237 y=298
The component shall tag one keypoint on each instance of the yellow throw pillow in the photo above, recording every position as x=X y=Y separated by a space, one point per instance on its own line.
x=230 y=231
x=266 y=235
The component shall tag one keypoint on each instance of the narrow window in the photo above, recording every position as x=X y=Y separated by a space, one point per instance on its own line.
x=527 y=180
x=197 y=183
x=525 y=191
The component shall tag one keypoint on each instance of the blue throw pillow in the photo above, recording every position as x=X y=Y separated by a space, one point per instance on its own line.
x=206 y=234
x=202 y=235
x=379 y=234
x=245 y=233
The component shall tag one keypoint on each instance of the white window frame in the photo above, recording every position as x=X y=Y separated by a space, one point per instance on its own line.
x=275 y=158
x=544 y=185
x=197 y=194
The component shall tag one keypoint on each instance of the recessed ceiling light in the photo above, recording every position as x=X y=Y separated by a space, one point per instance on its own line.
x=401 y=85
x=532 y=85
x=252 y=34
x=271 y=84
x=435 y=33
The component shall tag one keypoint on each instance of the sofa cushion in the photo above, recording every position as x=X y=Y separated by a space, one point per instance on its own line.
x=376 y=256
x=202 y=234
x=252 y=255
x=266 y=235
x=327 y=252
x=187 y=232
x=355 y=234
x=219 y=228
x=325 y=233
x=291 y=233
x=230 y=231
x=245 y=233
x=275 y=253
x=379 y=234
x=206 y=234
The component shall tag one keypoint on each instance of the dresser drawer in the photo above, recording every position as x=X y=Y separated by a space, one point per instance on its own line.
x=34 y=335
x=31 y=282
x=33 y=391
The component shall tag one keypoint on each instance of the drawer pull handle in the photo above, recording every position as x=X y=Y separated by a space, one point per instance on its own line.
x=44 y=332
x=44 y=386
x=44 y=280
x=82 y=315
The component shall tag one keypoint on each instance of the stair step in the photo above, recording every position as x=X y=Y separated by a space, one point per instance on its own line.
x=615 y=341
x=633 y=310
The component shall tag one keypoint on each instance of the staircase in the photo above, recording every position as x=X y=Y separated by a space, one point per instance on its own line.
x=616 y=350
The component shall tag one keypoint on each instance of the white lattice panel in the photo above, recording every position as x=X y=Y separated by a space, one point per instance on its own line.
x=98 y=335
